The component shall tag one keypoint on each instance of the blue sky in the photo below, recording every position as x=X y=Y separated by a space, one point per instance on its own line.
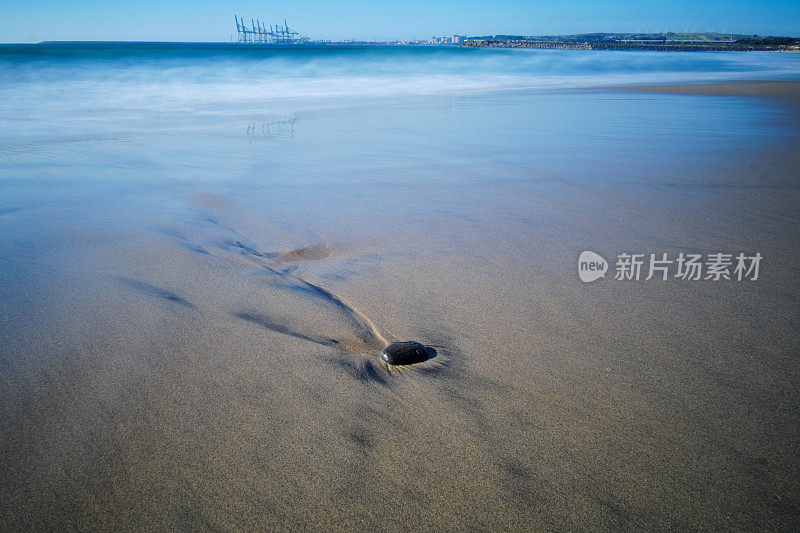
x=203 y=20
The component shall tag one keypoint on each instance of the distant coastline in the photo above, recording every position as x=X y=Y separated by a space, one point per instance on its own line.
x=667 y=42
x=670 y=42
x=664 y=47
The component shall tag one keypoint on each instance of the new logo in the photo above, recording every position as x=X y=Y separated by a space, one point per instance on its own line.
x=591 y=266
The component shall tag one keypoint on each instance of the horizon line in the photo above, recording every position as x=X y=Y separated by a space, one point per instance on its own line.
x=353 y=40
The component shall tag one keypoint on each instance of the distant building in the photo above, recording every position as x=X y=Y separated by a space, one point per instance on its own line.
x=445 y=40
x=458 y=39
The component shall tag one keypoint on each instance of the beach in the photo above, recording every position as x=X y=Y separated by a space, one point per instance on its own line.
x=194 y=300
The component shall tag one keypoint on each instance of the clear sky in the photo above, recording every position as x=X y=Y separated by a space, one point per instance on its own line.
x=204 y=20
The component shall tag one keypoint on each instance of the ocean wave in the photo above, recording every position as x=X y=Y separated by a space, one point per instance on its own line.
x=160 y=79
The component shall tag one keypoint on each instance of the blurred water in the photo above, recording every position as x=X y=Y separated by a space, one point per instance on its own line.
x=100 y=135
x=90 y=131
x=81 y=79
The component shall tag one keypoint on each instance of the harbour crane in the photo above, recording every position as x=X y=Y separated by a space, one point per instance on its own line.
x=258 y=33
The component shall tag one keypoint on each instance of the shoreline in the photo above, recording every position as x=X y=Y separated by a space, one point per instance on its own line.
x=782 y=89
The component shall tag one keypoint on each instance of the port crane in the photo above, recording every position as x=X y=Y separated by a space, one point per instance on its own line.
x=258 y=33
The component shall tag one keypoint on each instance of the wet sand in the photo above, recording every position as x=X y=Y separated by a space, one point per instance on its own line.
x=219 y=370
x=761 y=89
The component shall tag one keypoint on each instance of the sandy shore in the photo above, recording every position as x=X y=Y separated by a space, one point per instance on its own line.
x=788 y=90
x=215 y=368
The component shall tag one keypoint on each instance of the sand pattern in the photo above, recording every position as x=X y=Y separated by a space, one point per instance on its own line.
x=281 y=274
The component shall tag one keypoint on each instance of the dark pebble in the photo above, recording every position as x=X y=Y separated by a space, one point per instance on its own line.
x=404 y=353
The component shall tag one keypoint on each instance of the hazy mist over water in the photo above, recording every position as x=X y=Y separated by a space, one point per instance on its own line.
x=219 y=114
x=222 y=115
x=188 y=77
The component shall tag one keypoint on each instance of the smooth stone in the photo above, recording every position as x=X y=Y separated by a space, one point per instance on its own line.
x=404 y=353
